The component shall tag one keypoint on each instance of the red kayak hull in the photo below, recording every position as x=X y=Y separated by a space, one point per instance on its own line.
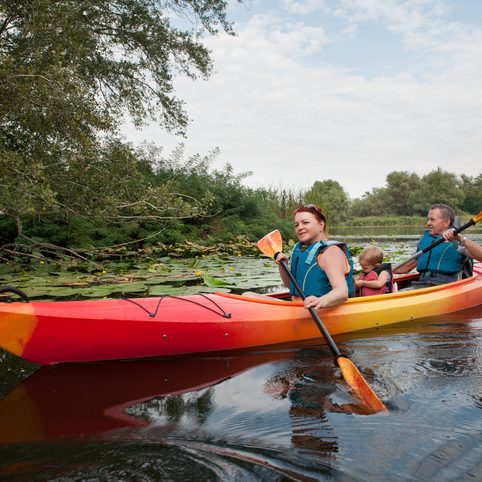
x=49 y=332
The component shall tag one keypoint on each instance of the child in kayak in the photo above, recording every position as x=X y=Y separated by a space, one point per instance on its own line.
x=376 y=277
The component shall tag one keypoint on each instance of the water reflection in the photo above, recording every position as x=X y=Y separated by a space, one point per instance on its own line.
x=219 y=409
x=68 y=400
x=307 y=384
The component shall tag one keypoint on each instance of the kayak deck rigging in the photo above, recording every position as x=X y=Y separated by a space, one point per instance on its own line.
x=153 y=314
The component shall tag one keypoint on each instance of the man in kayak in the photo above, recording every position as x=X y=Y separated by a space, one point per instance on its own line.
x=445 y=262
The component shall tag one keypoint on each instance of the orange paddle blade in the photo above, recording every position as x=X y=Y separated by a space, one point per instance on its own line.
x=271 y=243
x=359 y=386
x=478 y=217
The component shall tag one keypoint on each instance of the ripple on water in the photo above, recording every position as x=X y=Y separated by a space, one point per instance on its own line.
x=170 y=459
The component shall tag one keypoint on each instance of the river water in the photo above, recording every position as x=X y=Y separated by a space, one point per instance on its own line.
x=273 y=414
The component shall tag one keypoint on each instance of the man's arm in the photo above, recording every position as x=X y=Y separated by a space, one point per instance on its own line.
x=474 y=250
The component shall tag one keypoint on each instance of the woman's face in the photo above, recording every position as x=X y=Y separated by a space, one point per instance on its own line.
x=308 y=228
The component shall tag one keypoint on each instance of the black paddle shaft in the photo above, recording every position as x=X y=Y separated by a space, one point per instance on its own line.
x=434 y=244
x=313 y=313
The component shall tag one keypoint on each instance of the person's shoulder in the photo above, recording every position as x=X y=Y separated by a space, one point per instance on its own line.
x=332 y=251
x=333 y=247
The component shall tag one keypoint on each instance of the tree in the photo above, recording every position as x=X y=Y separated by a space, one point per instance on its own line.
x=374 y=203
x=438 y=186
x=401 y=185
x=69 y=73
x=472 y=187
x=331 y=197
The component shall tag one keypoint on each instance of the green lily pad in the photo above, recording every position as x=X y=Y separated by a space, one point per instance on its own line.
x=128 y=288
x=212 y=282
x=96 y=292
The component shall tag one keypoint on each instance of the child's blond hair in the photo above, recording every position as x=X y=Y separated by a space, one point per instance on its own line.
x=372 y=255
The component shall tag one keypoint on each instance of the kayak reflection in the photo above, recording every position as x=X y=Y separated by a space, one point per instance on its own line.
x=86 y=399
x=67 y=400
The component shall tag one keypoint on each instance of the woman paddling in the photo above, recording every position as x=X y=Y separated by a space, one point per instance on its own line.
x=323 y=268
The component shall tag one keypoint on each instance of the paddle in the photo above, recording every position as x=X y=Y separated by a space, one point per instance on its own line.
x=439 y=241
x=271 y=245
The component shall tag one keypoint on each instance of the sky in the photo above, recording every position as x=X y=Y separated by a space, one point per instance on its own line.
x=348 y=90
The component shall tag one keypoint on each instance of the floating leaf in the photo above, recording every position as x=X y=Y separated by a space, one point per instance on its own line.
x=212 y=282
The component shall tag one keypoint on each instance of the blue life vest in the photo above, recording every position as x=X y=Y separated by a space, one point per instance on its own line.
x=443 y=259
x=307 y=272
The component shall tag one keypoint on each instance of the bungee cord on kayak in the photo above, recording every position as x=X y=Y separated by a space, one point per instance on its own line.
x=19 y=292
x=152 y=314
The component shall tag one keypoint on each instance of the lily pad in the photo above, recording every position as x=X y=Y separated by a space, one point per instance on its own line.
x=96 y=292
x=212 y=282
x=128 y=288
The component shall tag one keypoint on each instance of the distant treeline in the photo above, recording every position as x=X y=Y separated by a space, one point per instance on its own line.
x=209 y=205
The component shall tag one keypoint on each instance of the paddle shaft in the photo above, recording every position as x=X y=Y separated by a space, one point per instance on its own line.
x=434 y=244
x=313 y=313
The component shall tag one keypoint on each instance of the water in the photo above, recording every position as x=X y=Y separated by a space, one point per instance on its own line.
x=273 y=414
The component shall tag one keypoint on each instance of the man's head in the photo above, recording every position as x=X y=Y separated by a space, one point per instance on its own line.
x=440 y=218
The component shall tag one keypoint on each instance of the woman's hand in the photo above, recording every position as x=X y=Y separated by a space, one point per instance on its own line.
x=282 y=261
x=314 y=302
x=281 y=257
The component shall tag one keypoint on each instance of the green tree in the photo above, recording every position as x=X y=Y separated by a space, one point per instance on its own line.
x=438 y=186
x=69 y=73
x=472 y=187
x=400 y=186
x=331 y=197
x=374 y=203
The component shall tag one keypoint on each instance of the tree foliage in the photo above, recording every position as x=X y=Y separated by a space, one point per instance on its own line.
x=472 y=186
x=437 y=186
x=374 y=203
x=69 y=73
x=401 y=187
x=331 y=197
x=406 y=194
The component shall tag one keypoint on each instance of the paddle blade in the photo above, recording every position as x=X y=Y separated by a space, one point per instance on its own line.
x=478 y=217
x=271 y=243
x=359 y=386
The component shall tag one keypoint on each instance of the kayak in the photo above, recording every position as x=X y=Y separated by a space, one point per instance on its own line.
x=50 y=332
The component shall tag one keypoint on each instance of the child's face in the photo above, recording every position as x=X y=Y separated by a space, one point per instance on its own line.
x=366 y=267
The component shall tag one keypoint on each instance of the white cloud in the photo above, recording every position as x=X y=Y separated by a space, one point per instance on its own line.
x=305 y=7
x=275 y=107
